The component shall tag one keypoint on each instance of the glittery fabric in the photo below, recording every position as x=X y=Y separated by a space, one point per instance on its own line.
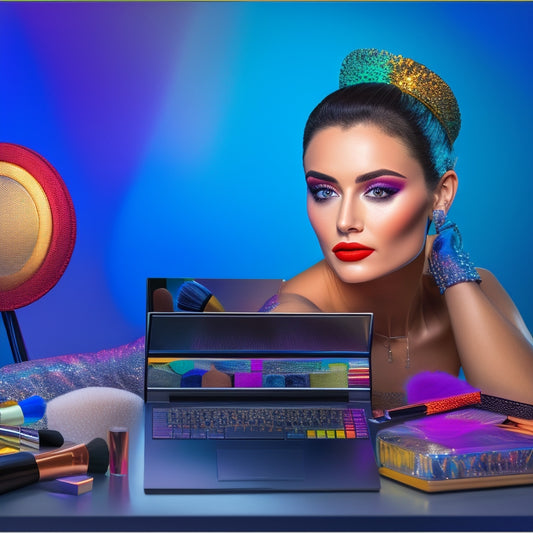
x=375 y=66
x=448 y=262
x=270 y=304
x=121 y=368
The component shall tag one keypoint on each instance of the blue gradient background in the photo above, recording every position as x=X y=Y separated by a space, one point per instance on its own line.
x=177 y=129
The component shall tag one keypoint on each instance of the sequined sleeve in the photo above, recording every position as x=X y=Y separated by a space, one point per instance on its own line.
x=270 y=304
x=121 y=367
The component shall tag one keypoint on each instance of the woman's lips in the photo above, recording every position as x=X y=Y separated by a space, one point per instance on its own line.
x=351 y=251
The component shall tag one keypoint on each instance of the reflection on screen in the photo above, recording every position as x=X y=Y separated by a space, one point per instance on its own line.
x=309 y=373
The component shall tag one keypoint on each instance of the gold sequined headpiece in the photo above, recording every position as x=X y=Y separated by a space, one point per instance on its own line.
x=375 y=66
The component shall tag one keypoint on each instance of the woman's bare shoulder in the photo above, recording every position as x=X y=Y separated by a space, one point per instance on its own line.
x=494 y=290
x=306 y=281
x=492 y=287
x=487 y=276
x=305 y=291
x=502 y=301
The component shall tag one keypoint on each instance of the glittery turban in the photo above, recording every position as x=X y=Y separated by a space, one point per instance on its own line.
x=375 y=66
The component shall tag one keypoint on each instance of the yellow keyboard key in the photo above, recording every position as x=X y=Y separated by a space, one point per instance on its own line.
x=330 y=433
x=321 y=434
x=340 y=434
x=311 y=434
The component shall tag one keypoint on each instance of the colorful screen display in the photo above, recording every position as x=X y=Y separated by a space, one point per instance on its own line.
x=242 y=373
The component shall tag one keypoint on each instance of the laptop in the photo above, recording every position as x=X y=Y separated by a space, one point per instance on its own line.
x=247 y=401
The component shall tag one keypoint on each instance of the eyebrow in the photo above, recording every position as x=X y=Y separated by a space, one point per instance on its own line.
x=378 y=173
x=325 y=177
x=360 y=179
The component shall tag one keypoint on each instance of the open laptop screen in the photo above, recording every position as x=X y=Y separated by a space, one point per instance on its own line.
x=312 y=351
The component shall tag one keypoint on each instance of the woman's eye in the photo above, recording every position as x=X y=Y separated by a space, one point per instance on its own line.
x=321 y=193
x=379 y=192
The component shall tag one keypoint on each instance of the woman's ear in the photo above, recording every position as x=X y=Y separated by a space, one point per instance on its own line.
x=444 y=193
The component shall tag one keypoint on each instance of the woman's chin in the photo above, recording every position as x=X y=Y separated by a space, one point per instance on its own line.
x=354 y=273
x=365 y=272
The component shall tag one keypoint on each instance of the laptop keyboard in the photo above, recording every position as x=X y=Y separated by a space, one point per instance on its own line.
x=258 y=423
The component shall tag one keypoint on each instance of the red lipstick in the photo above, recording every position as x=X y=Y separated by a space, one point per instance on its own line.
x=351 y=251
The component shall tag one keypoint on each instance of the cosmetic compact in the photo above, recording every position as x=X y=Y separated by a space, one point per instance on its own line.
x=464 y=449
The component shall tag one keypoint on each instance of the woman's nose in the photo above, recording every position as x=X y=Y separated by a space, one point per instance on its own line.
x=349 y=218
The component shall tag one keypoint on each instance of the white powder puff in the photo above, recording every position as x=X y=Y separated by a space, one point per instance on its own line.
x=84 y=414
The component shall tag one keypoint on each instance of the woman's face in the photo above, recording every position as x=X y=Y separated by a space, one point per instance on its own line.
x=367 y=201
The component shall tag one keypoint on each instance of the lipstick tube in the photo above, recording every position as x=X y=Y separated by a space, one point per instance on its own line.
x=118 y=441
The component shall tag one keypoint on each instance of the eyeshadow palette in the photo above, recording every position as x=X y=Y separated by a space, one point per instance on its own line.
x=351 y=373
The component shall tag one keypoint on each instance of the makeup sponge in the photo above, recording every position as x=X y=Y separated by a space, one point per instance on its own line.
x=84 y=414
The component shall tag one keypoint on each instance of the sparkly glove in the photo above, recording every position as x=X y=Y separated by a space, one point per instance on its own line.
x=448 y=262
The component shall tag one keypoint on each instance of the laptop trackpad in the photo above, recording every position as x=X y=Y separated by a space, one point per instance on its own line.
x=256 y=464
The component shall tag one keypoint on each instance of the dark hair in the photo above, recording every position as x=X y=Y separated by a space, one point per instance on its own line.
x=396 y=113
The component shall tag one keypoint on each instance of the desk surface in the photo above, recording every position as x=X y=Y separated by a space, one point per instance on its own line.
x=119 y=504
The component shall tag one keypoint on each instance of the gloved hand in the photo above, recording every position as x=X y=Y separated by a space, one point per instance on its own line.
x=448 y=262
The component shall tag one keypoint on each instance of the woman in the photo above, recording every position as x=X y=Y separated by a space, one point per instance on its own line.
x=379 y=166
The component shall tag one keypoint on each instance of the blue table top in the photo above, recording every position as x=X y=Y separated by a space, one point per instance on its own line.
x=119 y=503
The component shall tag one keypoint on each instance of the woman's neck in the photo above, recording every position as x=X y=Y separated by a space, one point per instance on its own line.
x=394 y=299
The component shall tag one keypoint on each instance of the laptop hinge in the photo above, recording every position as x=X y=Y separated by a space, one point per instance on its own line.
x=259 y=395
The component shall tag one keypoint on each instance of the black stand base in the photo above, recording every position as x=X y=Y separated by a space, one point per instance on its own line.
x=15 y=336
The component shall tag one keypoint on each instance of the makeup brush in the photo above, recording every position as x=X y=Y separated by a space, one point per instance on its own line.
x=16 y=438
x=431 y=393
x=476 y=399
x=439 y=392
x=193 y=296
x=429 y=407
x=26 y=411
x=23 y=468
x=432 y=385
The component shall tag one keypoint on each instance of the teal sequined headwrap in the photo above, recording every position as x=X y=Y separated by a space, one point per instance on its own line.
x=412 y=78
